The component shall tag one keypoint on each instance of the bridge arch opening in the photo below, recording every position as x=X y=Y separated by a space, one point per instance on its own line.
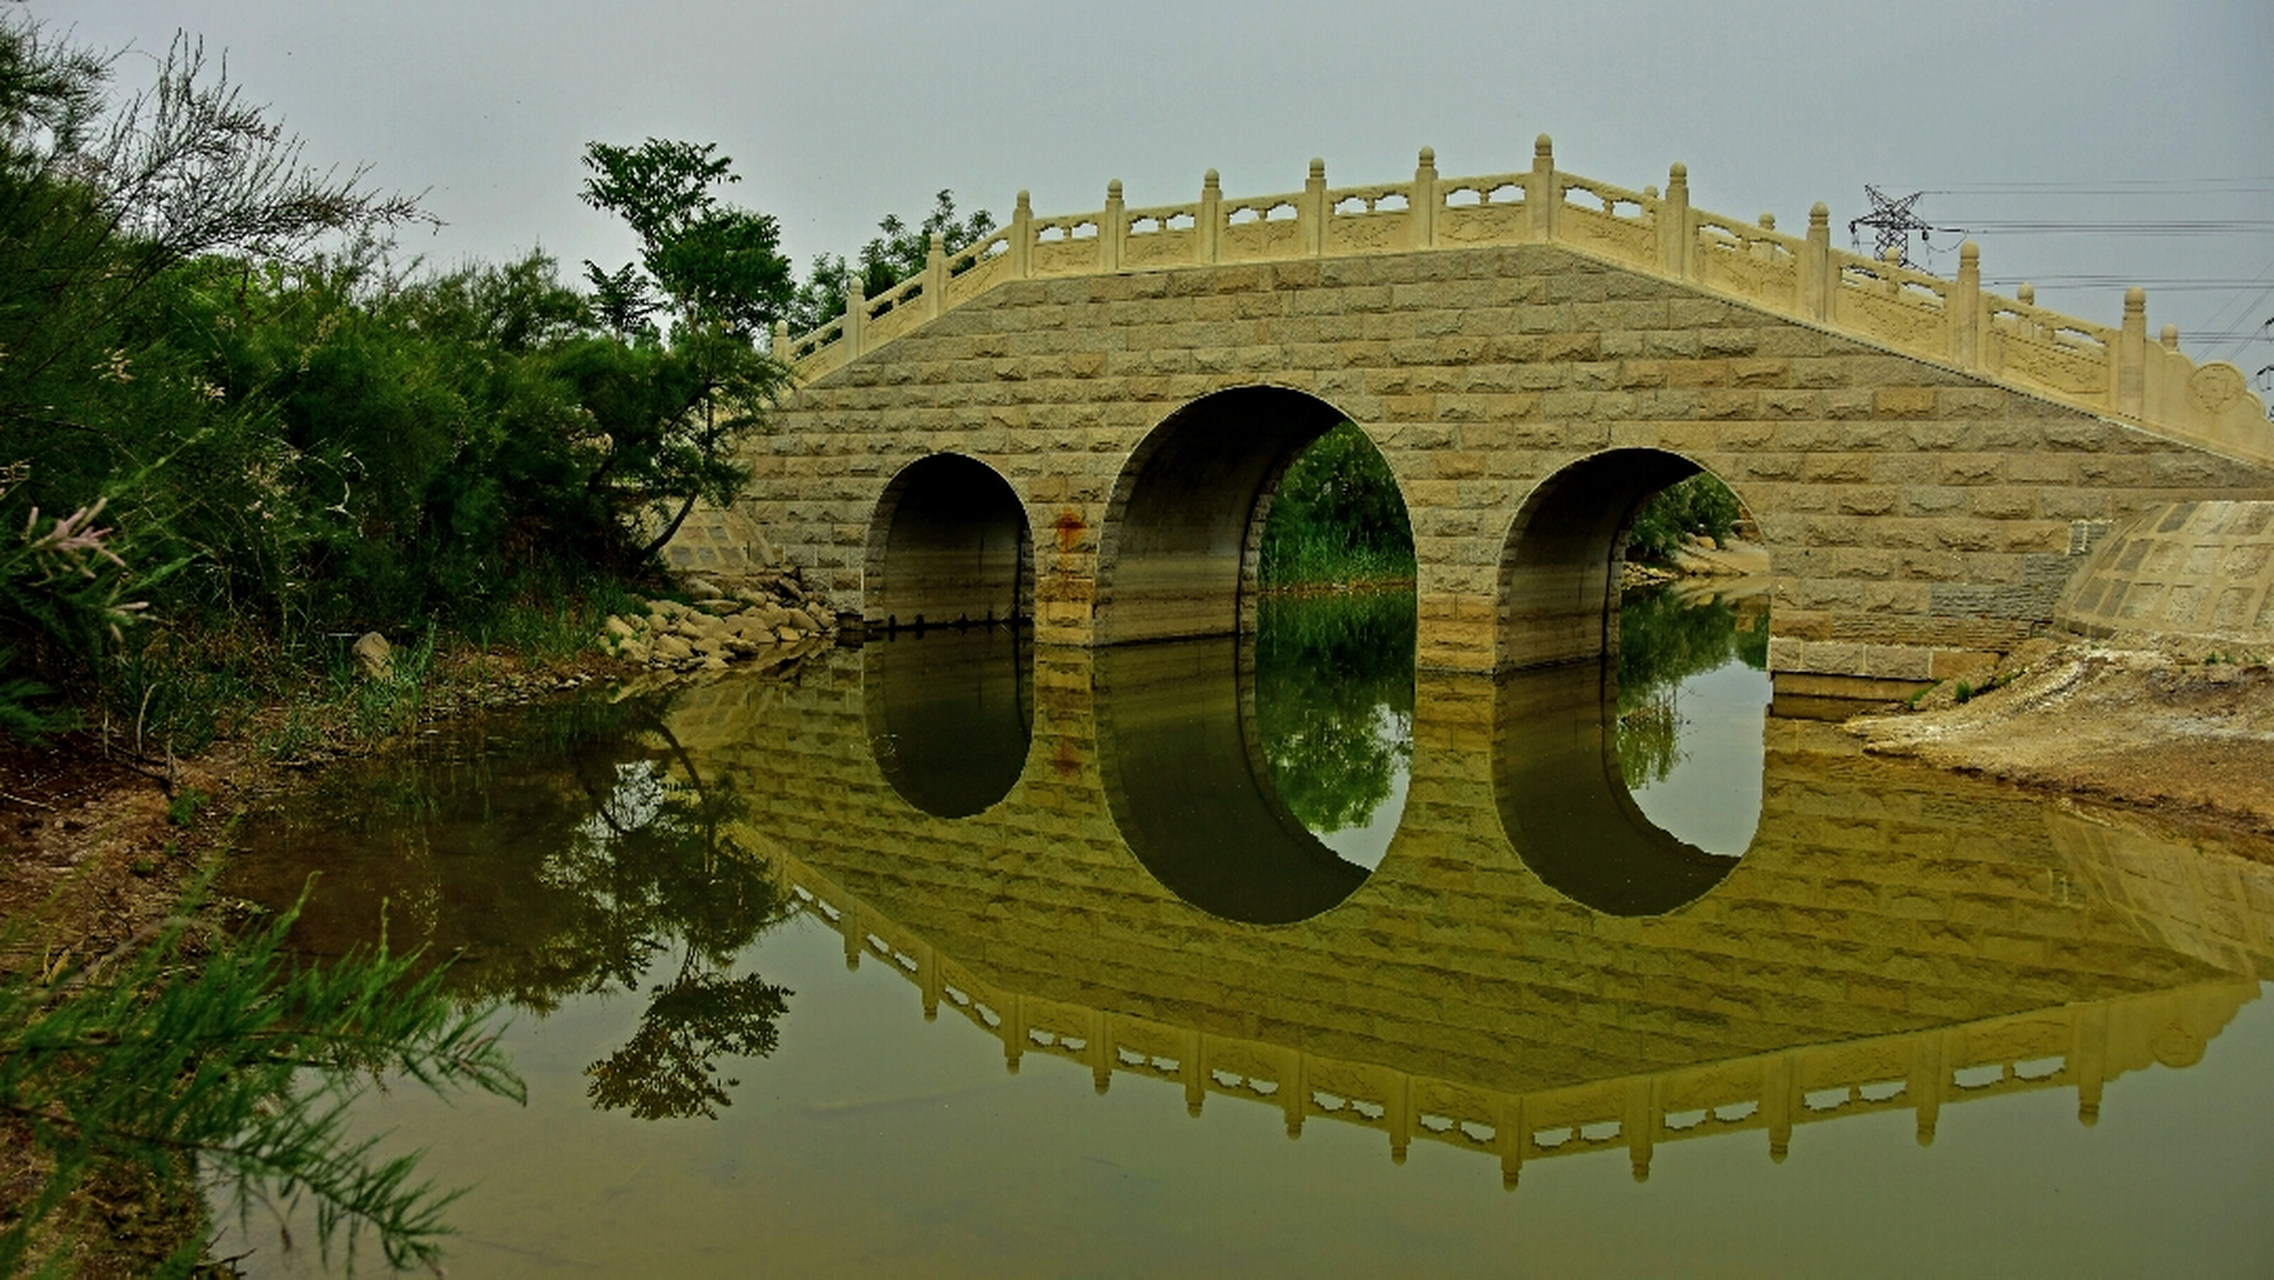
x=949 y=546
x=1630 y=739
x=1183 y=536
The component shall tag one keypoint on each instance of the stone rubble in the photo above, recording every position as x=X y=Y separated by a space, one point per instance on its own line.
x=769 y=617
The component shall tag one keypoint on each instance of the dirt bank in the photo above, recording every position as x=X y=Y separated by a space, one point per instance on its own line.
x=2176 y=729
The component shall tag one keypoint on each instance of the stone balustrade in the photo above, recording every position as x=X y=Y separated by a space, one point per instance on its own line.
x=2113 y=371
x=2079 y=1047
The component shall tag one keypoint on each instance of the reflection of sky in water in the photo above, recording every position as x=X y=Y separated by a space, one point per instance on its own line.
x=1365 y=842
x=1711 y=798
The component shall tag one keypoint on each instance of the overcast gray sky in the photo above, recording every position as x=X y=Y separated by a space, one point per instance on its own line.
x=836 y=113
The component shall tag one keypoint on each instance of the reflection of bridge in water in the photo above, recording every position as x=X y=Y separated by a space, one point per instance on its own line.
x=1894 y=938
x=2078 y=1046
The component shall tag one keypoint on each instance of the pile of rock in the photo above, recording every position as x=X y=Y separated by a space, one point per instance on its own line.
x=769 y=615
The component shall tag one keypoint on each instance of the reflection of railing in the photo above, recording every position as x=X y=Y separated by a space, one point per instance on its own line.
x=2113 y=371
x=2079 y=1046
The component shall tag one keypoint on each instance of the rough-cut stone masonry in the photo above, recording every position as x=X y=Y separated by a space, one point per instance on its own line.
x=1917 y=517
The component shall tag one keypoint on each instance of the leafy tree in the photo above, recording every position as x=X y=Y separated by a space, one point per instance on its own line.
x=1332 y=673
x=675 y=402
x=898 y=252
x=1699 y=506
x=1337 y=516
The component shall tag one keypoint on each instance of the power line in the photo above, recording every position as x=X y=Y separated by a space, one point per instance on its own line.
x=2169 y=227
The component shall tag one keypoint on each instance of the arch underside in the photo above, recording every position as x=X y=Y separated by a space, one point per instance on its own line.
x=1185 y=522
x=1559 y=586
x=955 y=547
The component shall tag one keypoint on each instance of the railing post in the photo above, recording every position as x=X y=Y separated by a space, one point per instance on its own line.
x=1927 y=1082
x=1022 y=238
x=1210 y=225
x=1510 y=1134
x=1966 y=308
x=780 y=348
x=1112 y=228
x=935 y=277
x=1423 y=202
x=1310 y=211
x=1816 y=279
x=1640 y=1123
x=1674 y=224
x=2088 y=1060
x=2132 y=353
x=1540 y=195
x=856 y=311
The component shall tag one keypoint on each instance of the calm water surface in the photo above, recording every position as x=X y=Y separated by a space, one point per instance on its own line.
x=952 y=955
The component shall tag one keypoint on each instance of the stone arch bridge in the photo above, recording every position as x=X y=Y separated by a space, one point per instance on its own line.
x=1079 y=419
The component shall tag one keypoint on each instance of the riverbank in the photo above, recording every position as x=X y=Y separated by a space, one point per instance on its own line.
x=2179 y=729
x=99 y=848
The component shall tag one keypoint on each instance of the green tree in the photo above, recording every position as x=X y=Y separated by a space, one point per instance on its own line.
x=1337 y=516
x=676 y=401
x=1699 y=506
x=899 y=251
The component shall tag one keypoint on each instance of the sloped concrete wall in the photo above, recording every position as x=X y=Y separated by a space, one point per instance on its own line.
x=2196 y=569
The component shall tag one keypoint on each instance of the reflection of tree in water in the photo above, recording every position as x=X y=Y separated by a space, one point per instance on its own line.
x=1334 y=701
x=1665 y=638
x=549 y=881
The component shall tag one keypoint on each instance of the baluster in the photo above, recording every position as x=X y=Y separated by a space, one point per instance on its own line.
x=1777 y=1086
x=1966 y=308
x=1014 y=1032
x=1423 y=200
x=1817 y=282
x=1295 y=1091
x=849 y=920
x=935 y=277
x=1511 y=1135
x=928 y=979
x=2132 y=354
x=1890 y=284
x=1194 y=1067
x=1540 y=195
x=1112 y=228
x=856 y=313
x=1210 y=224
x=2088 y=1059
x=1929 y=1080
x=1310 y=211
x=1022 y=238
x=1399 y=1113
x=1641 y=1125
x=1674 y=231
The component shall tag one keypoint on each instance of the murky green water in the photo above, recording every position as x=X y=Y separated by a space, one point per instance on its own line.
x=955 y=956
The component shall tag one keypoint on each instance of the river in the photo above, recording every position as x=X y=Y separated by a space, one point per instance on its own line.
x=951 y=955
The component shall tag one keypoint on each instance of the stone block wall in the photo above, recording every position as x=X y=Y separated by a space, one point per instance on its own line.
x=1916 y=516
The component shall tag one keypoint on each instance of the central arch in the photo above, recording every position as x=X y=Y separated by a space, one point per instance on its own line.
x=1559 y=571
x=1183 y=527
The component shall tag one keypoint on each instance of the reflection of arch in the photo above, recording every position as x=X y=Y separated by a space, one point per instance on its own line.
x=1558 y=574
x=950 y=715
x=1180 y=530
x=1189 y=787
x=1564 y=802
x=949 y=544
